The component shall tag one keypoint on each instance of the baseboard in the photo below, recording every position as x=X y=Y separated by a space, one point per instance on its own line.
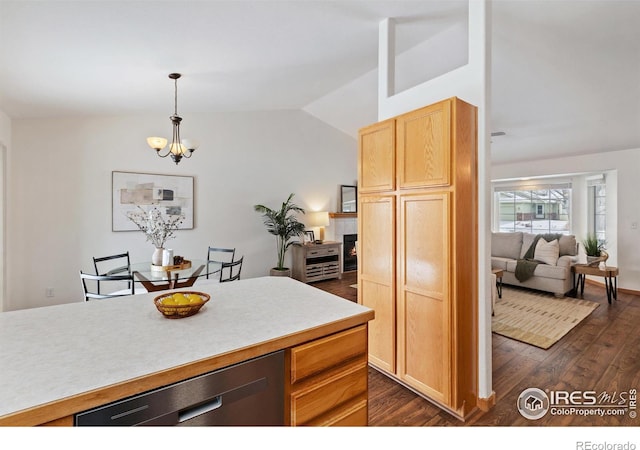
x=623 y=290
x=485 y=404
x=629 y=291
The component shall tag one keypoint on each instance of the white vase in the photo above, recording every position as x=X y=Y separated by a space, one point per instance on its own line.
x=167 y=257
x=156 y=258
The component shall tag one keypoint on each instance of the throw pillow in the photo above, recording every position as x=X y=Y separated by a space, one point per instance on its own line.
x=568 y=245
x=547 y=252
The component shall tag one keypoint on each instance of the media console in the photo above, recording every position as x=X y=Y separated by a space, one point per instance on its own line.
x=315 y=262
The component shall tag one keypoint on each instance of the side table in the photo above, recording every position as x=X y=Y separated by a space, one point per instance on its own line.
x=609 y=273
x=498 y=273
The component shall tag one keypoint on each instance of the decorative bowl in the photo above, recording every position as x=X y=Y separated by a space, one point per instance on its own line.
x=172 y=306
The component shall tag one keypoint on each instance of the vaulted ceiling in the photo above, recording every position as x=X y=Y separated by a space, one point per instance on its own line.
x=565 y=74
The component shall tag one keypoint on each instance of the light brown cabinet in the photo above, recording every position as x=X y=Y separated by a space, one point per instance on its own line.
x=328 y=381
x=418 y=250
x=376 y=166
x=376 y=277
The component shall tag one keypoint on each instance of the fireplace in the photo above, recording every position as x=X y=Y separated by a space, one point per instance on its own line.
x=350 y=256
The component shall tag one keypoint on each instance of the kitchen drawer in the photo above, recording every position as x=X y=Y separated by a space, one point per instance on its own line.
x=328 y=396
x=314 y=357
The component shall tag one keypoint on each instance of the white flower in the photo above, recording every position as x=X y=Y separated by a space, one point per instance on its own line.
x=157 y=228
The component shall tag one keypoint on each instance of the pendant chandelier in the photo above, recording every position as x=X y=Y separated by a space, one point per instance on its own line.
x=178 y=148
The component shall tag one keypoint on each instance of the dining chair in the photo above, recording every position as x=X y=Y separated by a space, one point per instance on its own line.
x=90 y=281
x=220 y=255
x=112 y=265
x=234 y=269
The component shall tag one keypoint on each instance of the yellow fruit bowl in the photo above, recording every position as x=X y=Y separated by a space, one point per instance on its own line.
x=176 y=305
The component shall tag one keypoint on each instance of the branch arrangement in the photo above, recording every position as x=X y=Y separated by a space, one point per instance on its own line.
x=156 y=227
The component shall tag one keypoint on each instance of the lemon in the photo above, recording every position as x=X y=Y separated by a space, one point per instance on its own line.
x=168 y=301
x=194 y=299
x=180 y=299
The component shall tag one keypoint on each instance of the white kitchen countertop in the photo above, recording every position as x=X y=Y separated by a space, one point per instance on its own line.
x=55 y=352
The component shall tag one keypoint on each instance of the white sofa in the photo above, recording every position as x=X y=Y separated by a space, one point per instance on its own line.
x=507 y=248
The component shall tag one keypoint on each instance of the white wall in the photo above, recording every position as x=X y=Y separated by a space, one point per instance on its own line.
x=5 y=144
x=5 y=128
x=623 y=208
x=355 y=104
x=59 y=206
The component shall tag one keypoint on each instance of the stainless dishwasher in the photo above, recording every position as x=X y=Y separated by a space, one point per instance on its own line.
x=249 y=393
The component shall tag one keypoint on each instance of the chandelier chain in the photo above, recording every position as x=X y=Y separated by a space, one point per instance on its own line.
x=175 y=97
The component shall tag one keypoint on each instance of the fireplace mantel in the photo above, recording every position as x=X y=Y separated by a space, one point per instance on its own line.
x=347 y=215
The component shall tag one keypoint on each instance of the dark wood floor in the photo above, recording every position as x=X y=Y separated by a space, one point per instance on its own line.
x=601 y=354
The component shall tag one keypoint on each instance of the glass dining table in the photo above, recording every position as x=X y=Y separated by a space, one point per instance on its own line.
x=155 y=279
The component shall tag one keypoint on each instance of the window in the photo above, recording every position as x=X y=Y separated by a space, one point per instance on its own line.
x=597 y=207
x=535 y=209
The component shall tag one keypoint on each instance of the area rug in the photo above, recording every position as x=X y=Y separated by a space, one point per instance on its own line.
x=537 y=318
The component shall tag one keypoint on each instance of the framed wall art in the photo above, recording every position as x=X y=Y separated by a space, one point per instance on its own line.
x=172 y=195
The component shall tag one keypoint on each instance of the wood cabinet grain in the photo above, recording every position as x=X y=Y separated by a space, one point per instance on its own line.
x=417 y=232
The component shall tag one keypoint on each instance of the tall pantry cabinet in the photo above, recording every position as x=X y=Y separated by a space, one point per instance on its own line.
x=417 y=262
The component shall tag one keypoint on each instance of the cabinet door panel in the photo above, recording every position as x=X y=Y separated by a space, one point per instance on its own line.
x=424 y=146
x=376 y=160
x=376 y=267
x=423 y=294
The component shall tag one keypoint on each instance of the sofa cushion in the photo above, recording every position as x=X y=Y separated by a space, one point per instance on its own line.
x=568 y=245
x=544 y=270
x=555 y=272
x=506 y=245
x=498 y=262
x=547 y=252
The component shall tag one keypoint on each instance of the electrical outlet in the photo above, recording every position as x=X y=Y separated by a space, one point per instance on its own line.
x=634 y=225
x=48 y=292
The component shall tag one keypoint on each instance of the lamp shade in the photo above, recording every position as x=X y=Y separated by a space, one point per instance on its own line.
x=319 y=219
x=177 y=149
x=156 y=143
x=190 y=144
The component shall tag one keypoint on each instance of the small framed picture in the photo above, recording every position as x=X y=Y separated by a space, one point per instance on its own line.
x=308 y=237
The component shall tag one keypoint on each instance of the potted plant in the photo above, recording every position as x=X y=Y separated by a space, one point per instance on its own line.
x=594 y=249
x=284 y=225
